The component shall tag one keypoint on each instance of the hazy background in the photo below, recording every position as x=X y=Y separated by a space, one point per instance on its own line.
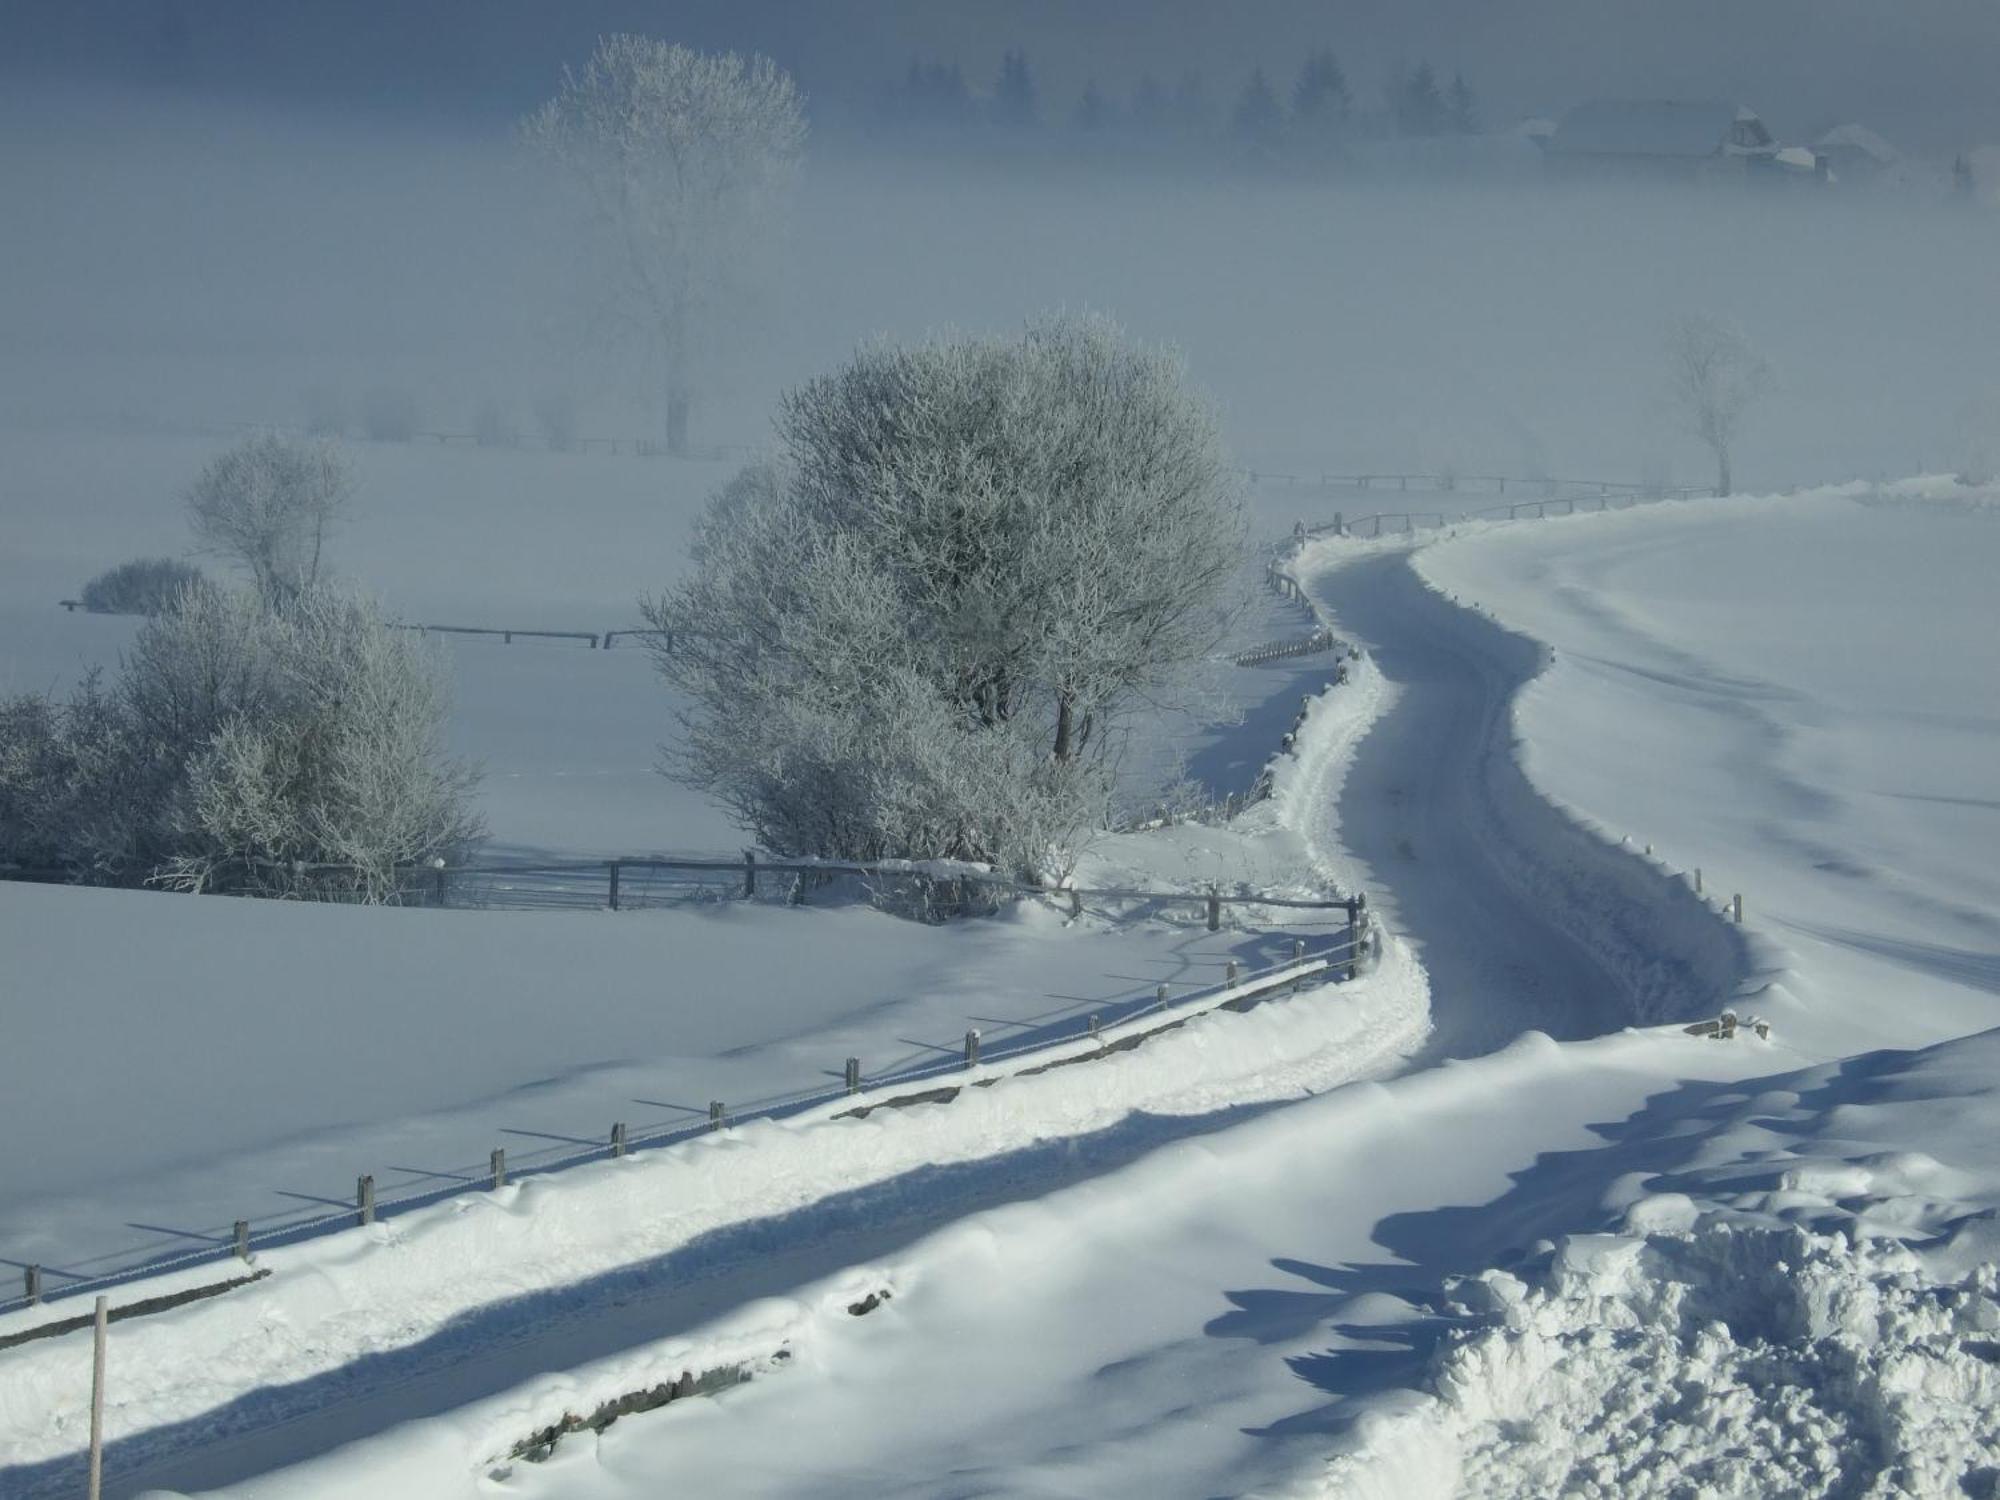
x=232 y=212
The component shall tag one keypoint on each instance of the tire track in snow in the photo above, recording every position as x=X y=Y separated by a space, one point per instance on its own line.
x=1524 y=919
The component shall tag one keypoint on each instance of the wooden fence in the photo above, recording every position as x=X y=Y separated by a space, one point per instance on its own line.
x=1116 y=1027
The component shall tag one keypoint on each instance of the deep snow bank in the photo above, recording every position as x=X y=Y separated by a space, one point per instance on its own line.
x=1725 y=1361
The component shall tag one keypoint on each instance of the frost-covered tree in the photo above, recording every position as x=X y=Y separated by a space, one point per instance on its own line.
x=269 y=504
x=683 y=158
x=917 y=634
x=295 y=751
x=1014 y=93
x=1258 y=117
x=1320 y=101
x=1715 y=377
x=1461 y=111
x=1420 y=106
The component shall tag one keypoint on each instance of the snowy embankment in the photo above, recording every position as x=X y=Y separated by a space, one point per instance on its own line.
x=405 y=1303
x=1796 y=1291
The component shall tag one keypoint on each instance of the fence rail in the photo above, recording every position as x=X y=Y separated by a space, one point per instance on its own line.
x=1450 y=483
x=1114 y=1027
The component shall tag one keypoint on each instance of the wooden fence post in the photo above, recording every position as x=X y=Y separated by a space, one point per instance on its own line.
x=1353 y=939
x=1160 y=996
x=715 y=1114
x=33 y=1277
x=1229 y=972
x=853 y=1078
x=1214 y=912
x=972 y=1047
x=618 y=1138
x=749 y=872
x=1736 y=907
x=614 y=884
x=103 y=1323
x=498 y=1162
x=242 y=1238
x=442 y=899
x=1096 y=1030
x=1697 y=880
x=364 y=1199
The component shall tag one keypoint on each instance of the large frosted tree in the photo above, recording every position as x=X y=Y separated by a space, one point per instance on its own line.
x=682 y=158
x=917 y=634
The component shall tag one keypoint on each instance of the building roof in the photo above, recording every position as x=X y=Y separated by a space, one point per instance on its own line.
x=1647 y=127
x=1861 y=139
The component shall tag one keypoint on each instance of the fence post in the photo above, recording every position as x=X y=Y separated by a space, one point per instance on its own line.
x=103 y=1323
x=499 y=1167
x=33 y=1278
x=1736 y=907
x=1229 y=973
x=614 y=884
x=715 y=1114
x=1096 y=1030
x=438 y=865
x=364 y=1199
x=1697 y=880
x=972 y=1047
x=749 y=872
x=618 y=1138
x=854 y=1075
x=1354 y=938
x=242 y=1238
x=1160 y=996
x=1214 y=912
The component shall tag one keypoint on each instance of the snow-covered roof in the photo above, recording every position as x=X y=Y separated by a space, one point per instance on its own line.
x=1861 y=138
x=1648 y=127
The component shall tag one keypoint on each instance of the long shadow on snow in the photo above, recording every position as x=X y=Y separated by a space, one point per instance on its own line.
x=492 y=1348
x=1563 y=1192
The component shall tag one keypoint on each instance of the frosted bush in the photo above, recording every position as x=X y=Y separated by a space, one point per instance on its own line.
x=144 y=586
x=917 y=634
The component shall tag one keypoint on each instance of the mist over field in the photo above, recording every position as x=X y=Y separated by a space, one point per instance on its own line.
x=184 y=260
x=784 y=749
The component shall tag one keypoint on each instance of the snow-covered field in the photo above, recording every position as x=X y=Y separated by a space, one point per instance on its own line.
x=1624 y=1261
x=407 y=1045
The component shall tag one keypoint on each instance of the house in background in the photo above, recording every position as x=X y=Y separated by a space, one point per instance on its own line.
x=1662 y=140
x=1857 y=154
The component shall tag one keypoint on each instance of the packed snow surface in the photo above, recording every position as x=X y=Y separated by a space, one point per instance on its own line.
x=1645 y=1262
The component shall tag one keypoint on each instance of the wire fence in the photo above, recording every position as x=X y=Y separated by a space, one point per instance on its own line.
x=1338 y=957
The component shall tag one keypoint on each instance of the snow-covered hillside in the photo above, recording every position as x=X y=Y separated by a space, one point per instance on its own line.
x=1629 y=1260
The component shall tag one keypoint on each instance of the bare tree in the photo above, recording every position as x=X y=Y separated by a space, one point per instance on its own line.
x=269 y=504
x=1715 y=377
x=681 y=156
x=917 y=635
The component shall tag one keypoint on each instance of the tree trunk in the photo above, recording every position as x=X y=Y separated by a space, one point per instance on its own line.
x=1065 y=726
x=677 y=423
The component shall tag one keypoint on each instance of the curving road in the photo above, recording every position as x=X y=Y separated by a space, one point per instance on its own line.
x=1422 y=809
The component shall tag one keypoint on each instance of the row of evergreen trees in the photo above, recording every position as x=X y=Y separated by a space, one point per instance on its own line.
x=1320 y=108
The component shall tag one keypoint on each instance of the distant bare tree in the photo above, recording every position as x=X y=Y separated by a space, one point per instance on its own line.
x=1715 y=377
x=682 y=157
x=269 y=503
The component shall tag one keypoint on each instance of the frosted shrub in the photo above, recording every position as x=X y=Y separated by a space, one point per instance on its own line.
x=915 y=636
x=292 y=750
x=144 y=586
x=269 y=504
